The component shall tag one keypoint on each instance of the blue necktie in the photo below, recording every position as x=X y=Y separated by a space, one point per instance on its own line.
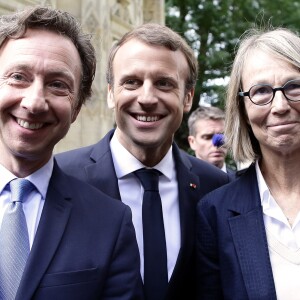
x=14 y=240
x=155 y=252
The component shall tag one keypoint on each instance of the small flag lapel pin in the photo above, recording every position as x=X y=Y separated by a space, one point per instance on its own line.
x=193 y=186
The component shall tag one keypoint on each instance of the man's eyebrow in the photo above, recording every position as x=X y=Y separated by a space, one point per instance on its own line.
x=16 y=65
x=166 y=76
x=60 y=72
x=30 y=66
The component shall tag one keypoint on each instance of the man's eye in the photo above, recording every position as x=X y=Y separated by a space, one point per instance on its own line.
x=207 y=137
x=164 y=84
x=17 y=76
x=131 y=84
x=17 y=79
x=58 y=85
x=59 y=88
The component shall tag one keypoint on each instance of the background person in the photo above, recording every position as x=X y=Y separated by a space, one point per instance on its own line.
x=80 y=244
x=249 y=230
x=204 y=123
x=151 y=76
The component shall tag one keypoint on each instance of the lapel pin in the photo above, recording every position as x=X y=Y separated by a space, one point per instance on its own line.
x=193 y=186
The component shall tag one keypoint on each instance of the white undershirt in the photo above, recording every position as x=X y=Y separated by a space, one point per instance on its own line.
x=34 y=203
x=131 y=192
x=283 y=242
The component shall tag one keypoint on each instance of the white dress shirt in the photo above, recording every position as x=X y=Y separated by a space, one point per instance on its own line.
x=34 y=203
x=224 y=168
x=283 y=243
x=131 y=192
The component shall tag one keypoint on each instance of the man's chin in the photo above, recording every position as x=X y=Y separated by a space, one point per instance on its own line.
x=217 y=163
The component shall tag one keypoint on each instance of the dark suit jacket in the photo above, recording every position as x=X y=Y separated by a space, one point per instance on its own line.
x=231 y=173
x=232 y=250
x=84 y=248
x=94 y=165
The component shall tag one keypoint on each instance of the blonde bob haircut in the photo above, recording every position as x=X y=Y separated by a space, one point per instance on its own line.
x=279 y=42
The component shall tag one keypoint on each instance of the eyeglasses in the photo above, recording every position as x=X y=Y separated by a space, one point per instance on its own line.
x=263 y=94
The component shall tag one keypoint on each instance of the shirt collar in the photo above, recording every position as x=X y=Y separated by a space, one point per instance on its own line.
x=39 y=178
x=224 y=168
x=5 y=177
x=125 y=163
x=264 y=191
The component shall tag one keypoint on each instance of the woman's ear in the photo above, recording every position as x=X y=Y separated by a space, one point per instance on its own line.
x=244 y=111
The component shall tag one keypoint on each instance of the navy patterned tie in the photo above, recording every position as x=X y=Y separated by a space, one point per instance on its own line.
x=14 y=241
x=155 y=253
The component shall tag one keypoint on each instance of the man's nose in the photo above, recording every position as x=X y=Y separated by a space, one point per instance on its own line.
x=34 y=99
x=148 y=94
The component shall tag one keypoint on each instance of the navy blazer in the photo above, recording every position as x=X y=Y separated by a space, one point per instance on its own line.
x=94 y=165
x=231 y=173
x=84 y=248
x=232 y=249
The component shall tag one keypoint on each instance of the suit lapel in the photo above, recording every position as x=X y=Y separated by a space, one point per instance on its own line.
x=249 y=238
x=188 y=193
x=106 y=180
x=51 y=227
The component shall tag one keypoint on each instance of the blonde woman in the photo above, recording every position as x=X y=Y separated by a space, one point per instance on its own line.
x=249 y=230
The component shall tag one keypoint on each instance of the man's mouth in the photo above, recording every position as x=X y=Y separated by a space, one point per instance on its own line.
x=147 y=118
x=29 y=125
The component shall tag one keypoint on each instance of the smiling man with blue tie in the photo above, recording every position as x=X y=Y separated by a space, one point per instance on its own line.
x=59 y=237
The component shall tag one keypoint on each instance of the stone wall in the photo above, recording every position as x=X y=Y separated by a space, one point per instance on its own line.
x=107 y=20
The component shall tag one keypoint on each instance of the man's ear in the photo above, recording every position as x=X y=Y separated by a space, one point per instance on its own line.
x=74 y=115
x=192 y=142
x=75 y=111
x=188 y=100
x=110 y=97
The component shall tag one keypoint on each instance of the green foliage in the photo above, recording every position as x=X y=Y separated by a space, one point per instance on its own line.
x=213 y=28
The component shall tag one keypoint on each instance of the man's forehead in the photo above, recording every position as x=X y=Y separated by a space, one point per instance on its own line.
x=132 y=45
x=211 y=122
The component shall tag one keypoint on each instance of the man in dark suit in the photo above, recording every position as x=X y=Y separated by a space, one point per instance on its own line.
x=151 y=77
x=73 y=241
x=206 y=127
